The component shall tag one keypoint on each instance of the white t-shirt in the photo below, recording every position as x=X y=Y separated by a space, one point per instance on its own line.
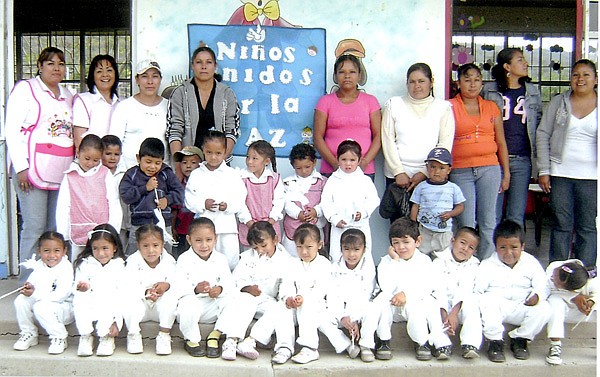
x=580 y=152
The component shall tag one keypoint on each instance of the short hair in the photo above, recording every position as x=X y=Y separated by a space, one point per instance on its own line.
x=152 y=147
x=509 y=229
x=258 y=231
x=423 y=67
x=349 y=145
x=89 y=81
x=468 y=230
x=149 y=229
x=215 y=135
x=305 y=231
x=573 y=275
x=462 y=70
x=265 y=150
x=201 y=222
x=404 y=227
x=353 y=236
x=110 y=140
x=302 y=151
x=48 y=53
x=91 y=141
x=204 y=48
x=51 y=235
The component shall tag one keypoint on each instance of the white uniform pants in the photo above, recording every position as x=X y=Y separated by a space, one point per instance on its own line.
x=228 y=244
x=562 y=312
x=307 y=318
x=331 y=327
x=470 y=319
x=52 y=316
x=193 y=309
x=495 y=310
x=141 y=310
x=87 y=310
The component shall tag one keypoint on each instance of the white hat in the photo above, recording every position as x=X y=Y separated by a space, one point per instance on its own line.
x=147 y=64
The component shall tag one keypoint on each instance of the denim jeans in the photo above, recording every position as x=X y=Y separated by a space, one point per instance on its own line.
x=38 y=212
x=480 y=187
x=574 y=208
x=516 y=195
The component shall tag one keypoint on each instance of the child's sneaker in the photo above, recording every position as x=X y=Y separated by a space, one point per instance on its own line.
x=306 y=355
x=423 y=352
x=134 y=343
x=86 y=344
x=25 y=341
x=519 y=348
x=353 y=350
x=554 y=355
x=366 y=355
x=496 y=351
x=443 y=353
x=469 y=352
x=228 y=350
x=247 y=348
x=163 y=343
x=106 y=346
x=383 y=351
x=57 y=346
x=281 y=356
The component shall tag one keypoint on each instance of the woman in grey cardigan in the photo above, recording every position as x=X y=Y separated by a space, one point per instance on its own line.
x=201 y=104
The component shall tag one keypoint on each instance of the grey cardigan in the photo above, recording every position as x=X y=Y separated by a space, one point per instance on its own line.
x=183 y=114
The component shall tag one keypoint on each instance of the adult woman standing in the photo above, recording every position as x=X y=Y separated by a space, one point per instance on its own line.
x=348 y=112
x=92 y=110
x=201 y=104
x=39 y=109
x=412 y=126
x=478 y=155
x=141 y=116
x=567 y=141
x=520 y=103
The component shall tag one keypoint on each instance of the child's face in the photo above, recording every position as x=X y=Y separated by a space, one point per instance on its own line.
x=308 y=250
x=103 y=250
x=202 y=240
x=405 y=246
x=267 y=246
x=150 y=165
x=151 y=247
x=111 y=156
x=189 y=163
x=348 y=162
x=256 y=163
x=509 y=250
x=304 y=167
x=352 y=254
x=437 y=171
x=464 y=245
x=214 y=153
x=89 y=158
x=52 y=252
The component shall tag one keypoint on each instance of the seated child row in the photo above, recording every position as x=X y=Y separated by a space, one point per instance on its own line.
x=340 y=299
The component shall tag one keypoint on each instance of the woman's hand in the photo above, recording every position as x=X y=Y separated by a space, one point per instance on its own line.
x=402 y=180
x=23 y=180
x=415 y=180
x=505 y=183
x=544 y=183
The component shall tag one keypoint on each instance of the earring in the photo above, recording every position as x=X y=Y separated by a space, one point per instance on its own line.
x=507 y=74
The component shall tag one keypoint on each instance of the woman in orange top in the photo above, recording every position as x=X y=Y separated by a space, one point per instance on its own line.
x=478 y=153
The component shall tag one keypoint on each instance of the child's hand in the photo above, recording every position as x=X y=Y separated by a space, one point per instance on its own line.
x=310 y=215
x=357 y=216
x=584 y=303
x=151 y=184
x=211 y=205
x=445 y=216
x=27 y=289
x=161 y=287
x=202 y=287
x=82 y=286
x=161 y=203
x=532 y=300
x=352 y=327
x=113 y=331
x=250 y=223
x=222 y=206
x=341 y=224
x=392 y=253
x=451 y=323
x=151 y=294
x=215 y=291
x=290 y=303
x=399 y=299
x=252 y=289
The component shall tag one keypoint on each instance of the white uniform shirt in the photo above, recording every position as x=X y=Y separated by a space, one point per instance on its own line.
x=52 y=283
x=414 y=276
x=139 y=276
x=351 y=289
x=311 y=280
x=267 y=273
x=455 y=279
x=191 y=270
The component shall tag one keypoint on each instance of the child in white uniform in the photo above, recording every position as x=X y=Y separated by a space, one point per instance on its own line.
x=46 y=296
x=455 y=269
x=204 y=282
x=512 y=288
x=349 y=198
x=572 y=299
x=111 y=158
x=98 y=283
x=353 y=282
x=149 y=275
x=258 y=277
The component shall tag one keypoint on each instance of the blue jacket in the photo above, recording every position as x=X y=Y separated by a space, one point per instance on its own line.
x=142 y=203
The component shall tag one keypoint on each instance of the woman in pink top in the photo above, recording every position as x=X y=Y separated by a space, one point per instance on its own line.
x=348 y=112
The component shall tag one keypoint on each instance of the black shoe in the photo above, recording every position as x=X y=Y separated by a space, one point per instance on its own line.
x=423 y=352
x=196 y=351
x=496 y=351
x=519 y=348
x=383 y=351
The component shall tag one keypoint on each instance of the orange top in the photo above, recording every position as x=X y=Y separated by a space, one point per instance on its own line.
x=474 y=136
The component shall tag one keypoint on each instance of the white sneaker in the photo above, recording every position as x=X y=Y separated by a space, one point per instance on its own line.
x=554 y=355
x=306 y=355
x=25 y=341
x=86 y=344
x=106 y=347
x=281 y=356
x=134 y=343
x=353 y=351
x=163 y=343
x=57 y=346
x=228 y=350
x=247 y=348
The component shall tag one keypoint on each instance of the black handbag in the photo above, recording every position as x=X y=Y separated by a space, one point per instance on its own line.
x=395 y=202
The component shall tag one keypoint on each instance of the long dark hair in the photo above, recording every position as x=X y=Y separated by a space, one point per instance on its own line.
x=89 y=81
x=505 y=56
x=105 y=232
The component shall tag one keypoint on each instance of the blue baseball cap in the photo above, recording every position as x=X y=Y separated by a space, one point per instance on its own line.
x=441 y=155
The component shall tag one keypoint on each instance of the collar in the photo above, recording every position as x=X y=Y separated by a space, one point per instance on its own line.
x=76 y=167
x=96 y=96
x=63 y=94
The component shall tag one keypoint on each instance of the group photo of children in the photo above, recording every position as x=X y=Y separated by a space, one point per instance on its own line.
x=132 y=211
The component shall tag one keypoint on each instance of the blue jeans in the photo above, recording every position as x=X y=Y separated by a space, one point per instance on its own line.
x=516 y=195
x=480 y=187
x=38 y=214
x=574 y=208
